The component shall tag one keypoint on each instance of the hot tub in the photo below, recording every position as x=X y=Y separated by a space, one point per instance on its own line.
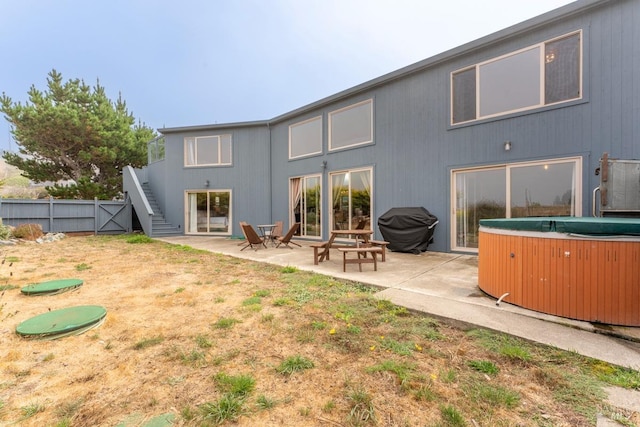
x=580 y=268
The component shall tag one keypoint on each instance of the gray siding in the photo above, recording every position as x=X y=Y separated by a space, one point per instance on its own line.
x=247 y=178
x=414 y=147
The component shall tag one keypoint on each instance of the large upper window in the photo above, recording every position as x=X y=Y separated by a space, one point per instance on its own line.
x=305 y=138
x=351 y=126
x=533 y=77
x=207 y=150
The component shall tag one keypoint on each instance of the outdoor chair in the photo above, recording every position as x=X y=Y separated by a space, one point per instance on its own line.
x=277 y=230
x=361 y=225
x=242 y=224
x=286 y=239
x=253 y=240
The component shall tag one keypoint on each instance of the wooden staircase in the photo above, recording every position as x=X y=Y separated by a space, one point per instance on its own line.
x=160 y=227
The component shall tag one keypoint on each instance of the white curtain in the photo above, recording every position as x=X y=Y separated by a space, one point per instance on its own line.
x=296 y=194
x=191 y=151
x=193 y=212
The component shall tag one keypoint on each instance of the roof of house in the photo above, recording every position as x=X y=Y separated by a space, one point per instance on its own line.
x=577 y=7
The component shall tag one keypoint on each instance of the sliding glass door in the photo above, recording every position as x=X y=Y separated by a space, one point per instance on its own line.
x=305 y=204
x=351 y=199
x=208 y=212
x=479 y=194
x=548 y=188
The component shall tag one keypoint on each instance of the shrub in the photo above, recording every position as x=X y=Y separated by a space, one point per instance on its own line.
x=28 y=231
x=5 y=232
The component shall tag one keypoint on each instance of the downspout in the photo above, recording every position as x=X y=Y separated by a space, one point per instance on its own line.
x=270 y=177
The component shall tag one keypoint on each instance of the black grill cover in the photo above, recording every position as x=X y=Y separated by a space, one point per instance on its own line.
x=407 y=229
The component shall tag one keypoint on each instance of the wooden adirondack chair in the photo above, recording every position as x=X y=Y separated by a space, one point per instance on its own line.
x=277 y=230
x=253 y=239
x=286 y=239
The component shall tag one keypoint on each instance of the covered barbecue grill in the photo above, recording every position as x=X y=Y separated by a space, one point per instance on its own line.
x=407 y=229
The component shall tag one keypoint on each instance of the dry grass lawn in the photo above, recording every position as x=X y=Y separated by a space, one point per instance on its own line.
x=214 y=340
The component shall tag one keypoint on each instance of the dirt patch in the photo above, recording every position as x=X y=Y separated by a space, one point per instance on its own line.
x=178 y=319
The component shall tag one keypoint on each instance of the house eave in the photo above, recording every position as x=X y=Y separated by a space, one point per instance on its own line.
x=563 y=12
x=216 y=127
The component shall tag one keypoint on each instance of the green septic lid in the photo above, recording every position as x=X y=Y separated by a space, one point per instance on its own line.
x=63 y=322
x=137 y=419
x=52 y=287
x=160 y=421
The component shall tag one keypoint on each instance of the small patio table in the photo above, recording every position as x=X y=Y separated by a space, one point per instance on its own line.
x=266 y=232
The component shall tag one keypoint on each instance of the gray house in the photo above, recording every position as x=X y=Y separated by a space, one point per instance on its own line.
x=513 y=124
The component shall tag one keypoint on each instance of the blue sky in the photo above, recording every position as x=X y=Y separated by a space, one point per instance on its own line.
x=193 y=62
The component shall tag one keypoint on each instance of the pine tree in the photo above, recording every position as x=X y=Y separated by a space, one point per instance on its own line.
x=74 y=136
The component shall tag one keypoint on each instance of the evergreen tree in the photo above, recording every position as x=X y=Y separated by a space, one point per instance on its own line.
x=74 y=133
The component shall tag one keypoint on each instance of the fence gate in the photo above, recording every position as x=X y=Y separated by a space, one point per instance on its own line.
x=69 y=216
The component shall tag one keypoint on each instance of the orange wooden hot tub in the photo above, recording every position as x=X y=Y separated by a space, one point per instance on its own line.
x=580 y=268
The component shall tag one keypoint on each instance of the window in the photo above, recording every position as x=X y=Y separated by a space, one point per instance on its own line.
x=550 y=188
x=351 y=126
x=544 y=74
x=208 y=212
x=155 y=150
x=305 y=204
x=207 y=150
x=351 y=199
x=305 y=138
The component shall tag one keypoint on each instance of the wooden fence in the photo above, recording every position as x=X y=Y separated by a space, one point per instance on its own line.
x=69 y=216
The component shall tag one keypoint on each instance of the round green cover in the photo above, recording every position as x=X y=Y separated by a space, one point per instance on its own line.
x=51 y=287
x=62 y=322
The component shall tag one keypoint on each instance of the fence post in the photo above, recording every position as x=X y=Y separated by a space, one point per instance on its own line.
x=95 y=216
x=50 y=214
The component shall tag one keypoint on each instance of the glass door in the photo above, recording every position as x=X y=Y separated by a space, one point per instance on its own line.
x=208 y=212
x=351 y=200
x=479 y=194
x=305 y=193
x=532 y=189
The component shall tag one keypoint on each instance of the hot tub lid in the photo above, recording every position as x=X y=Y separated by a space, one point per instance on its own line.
x=520 y=224
x=593 y=226
x=599 y=226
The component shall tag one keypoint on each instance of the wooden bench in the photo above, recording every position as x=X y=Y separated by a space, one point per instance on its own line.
x=316 y=247
x=380 y=244
x=323 y=245
x=362 y=257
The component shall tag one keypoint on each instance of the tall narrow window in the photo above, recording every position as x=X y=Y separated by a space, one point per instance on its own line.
x=207 y=150
x=562 y=69
x=464 y=95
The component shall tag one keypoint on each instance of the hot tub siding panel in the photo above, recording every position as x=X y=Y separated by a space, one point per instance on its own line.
x=583 y=279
